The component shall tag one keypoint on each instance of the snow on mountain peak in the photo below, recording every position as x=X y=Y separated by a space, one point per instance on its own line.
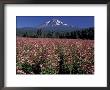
x=47 y=22
x=54 y=22
x=64 y=24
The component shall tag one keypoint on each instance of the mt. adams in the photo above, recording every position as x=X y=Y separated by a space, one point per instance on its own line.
x=54 y=22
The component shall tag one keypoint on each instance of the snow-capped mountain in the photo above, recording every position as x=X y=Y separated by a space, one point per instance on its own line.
x=53 y=23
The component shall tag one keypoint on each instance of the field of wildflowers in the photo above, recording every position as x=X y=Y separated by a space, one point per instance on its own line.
x=54 y=56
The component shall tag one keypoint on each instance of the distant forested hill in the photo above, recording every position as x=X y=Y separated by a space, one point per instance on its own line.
x=69 y=33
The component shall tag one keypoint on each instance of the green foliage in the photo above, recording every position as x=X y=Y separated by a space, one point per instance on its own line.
x=76 y=63
x=27 y=68
x=48 y=70
x=19 y=65
x=86 y=33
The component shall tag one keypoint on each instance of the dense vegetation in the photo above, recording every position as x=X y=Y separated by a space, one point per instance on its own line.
x=54 y=56
x=86 y=33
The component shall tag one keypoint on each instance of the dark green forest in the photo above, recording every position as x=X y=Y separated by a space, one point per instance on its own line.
x=86 y=33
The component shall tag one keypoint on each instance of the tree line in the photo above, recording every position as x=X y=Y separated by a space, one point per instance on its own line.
x=87 y=33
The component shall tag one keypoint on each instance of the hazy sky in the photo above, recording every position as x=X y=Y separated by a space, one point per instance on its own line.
x=34 y=21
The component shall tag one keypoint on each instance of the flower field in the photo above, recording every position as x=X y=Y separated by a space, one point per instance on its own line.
x=54 y=56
